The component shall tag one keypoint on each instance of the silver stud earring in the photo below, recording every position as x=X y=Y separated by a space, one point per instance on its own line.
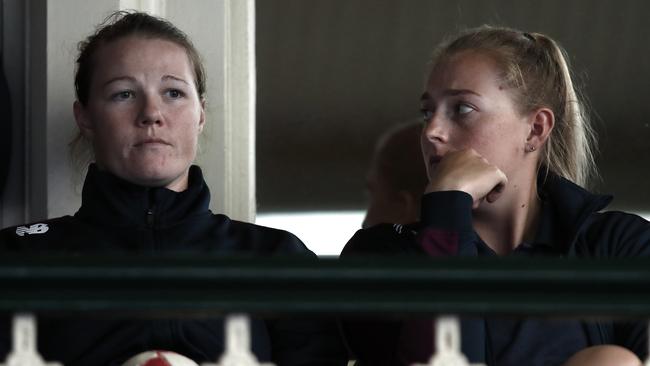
x=530 y=148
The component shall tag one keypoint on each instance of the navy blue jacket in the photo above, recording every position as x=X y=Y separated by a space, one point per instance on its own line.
x=571 y=225
x=117 y=217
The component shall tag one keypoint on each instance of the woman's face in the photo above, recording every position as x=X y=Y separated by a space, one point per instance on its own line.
x=143 y=115
x=465 y=105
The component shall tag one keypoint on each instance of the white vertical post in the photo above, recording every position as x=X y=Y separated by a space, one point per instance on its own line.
x=239 y=101
x=238 y=344
x=224 y=33
x=24 y=352
x=447 y=339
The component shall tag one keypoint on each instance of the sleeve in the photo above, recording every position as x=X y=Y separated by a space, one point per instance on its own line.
x=447 y=229
x=373 y=340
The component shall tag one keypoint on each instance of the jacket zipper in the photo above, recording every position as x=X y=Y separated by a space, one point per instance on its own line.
x=151 y=220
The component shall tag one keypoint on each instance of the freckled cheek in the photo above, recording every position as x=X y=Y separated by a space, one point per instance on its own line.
x=185 y=118
x=187 y=141
x=464 y=141
x=111 y=137
x=486 y=146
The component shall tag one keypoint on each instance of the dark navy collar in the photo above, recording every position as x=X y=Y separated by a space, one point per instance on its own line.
x=112 y=201
x=565 y=208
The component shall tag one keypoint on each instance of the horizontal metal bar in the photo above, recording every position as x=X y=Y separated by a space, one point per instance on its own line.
x=277 y=285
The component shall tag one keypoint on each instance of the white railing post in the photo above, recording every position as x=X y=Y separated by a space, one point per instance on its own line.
x=447 y=342
x=24 y=352
x=238 y=339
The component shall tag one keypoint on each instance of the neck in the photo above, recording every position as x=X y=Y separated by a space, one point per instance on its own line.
x=512 y=219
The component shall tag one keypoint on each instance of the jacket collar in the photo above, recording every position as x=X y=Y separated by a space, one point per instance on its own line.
x=568 y=206
x=113 y=201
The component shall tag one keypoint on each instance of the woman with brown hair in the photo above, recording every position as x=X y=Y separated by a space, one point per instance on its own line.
x=140 y=88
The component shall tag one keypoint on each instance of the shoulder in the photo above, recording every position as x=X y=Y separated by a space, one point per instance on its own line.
x=617 y=234
x=382 y=239
x=37 y=235
x=264 y=239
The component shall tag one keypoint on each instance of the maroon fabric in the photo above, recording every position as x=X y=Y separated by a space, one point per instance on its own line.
x=438 y=243
x=416 y=341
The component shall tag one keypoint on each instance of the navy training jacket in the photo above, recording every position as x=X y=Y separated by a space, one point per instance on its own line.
x=117 y=217
x=571 y=225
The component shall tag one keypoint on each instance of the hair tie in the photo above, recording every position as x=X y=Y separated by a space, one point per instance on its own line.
x=529 y=36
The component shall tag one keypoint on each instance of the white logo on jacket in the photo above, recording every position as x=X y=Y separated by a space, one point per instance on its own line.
x=32 y=229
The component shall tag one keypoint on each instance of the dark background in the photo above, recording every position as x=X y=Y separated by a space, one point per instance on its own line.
x=334 y=74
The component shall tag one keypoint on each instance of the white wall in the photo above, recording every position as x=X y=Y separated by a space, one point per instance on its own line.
x=68 y=22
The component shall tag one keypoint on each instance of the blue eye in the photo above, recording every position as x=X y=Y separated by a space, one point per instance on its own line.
x=426 y=115
x=175 y=93
x=123 y=95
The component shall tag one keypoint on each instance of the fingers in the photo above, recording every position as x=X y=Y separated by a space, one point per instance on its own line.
x=496 y=192
x=468 y=171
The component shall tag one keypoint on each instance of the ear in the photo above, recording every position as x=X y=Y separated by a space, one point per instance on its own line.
x=541 y=121
x=83 y=120
x=202 y=116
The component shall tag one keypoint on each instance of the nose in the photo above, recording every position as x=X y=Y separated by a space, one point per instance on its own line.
x=150 y=111
x=435 y=129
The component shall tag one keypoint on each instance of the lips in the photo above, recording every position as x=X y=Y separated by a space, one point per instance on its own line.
x=151 y=141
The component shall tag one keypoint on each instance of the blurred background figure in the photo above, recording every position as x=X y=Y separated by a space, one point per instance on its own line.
x=396 y=177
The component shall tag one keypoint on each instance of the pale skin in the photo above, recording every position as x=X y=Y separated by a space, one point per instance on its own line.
x=476 y=140
x=144 y=114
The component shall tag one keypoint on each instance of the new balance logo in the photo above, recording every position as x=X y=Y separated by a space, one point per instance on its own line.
x=32 y=229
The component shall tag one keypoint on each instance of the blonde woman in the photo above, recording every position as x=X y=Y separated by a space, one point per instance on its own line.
x=507 y=147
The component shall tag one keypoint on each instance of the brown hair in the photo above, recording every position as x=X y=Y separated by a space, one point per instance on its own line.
x=123 y=24
x=535 y=68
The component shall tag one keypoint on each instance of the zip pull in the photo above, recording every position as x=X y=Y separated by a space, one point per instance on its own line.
x=150 y=217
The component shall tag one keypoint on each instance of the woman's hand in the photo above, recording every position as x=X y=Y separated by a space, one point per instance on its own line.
x=467 y=171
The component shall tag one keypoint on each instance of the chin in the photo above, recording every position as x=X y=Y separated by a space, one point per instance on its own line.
x=152 y=182
x=149 y=172
x=148 y=177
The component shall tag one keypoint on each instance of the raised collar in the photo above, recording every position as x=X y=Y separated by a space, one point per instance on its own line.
x=565 y=208
x=112 y=201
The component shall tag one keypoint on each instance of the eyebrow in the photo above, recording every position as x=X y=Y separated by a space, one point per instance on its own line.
x=449 y=92
x=119 y=78
x=132 y=79
x=172 y=77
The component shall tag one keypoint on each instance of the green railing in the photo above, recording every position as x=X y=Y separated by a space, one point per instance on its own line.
x=218 y=285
